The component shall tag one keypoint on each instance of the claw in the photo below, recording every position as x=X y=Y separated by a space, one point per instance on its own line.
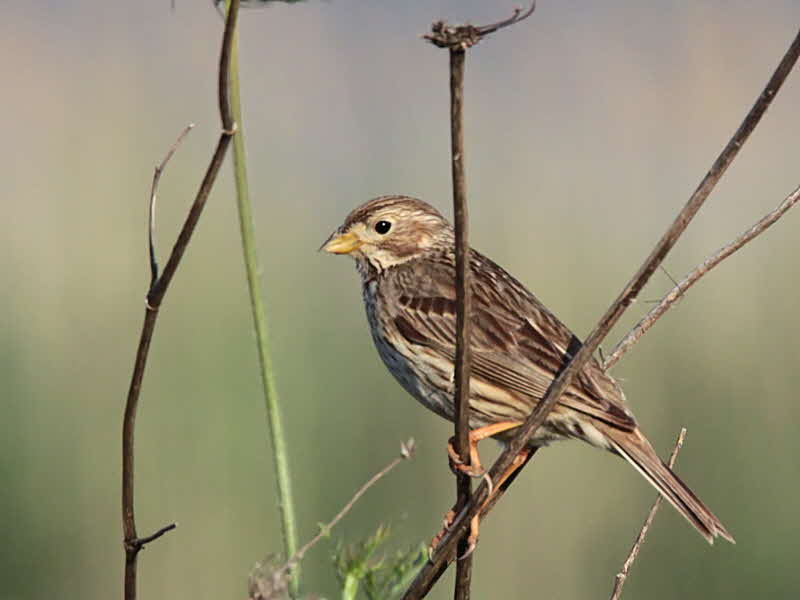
x=472 y=540
x=488 y=479
x=469 y=551
x=474 y=469
x=449 y=517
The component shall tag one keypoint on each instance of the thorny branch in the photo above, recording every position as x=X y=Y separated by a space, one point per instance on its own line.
x=438 y=563
x=677 y=292
x=619 y=580
x=132 y=543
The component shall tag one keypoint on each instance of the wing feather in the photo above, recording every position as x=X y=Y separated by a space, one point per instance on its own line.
x=517 y=345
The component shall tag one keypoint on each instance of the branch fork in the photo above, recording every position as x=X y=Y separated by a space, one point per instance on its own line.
x=139 y=543
x=159 y=284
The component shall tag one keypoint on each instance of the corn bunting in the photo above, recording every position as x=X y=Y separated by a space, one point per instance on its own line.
x=404 y=252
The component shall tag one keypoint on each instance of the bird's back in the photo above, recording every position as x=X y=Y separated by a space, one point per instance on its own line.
x=518 y=345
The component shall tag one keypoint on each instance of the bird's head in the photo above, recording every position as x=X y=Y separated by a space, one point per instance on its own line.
x=389 y=231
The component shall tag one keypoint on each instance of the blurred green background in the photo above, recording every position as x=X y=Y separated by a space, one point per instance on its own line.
x=587 y=128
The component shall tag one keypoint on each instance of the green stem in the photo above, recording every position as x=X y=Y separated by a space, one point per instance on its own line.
x=277 y=437
x=350 y=588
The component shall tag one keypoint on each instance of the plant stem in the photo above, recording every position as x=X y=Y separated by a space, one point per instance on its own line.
x=619 y=580
x=463 y=311
x=274 y=419
x=350 y=588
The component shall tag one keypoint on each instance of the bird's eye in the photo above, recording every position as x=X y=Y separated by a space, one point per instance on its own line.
x=383 y=227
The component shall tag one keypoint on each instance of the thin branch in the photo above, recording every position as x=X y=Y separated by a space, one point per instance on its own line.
x=406 y=453
x=155 y=296
x=445 y=551
x=668 y=274
x=151 y=225
x=156 y=293
x=277 y=435
x=457 y=39
x=463 y=307
x=516 y=17
x=619 y=580
x=141 y=542
x=677 y=292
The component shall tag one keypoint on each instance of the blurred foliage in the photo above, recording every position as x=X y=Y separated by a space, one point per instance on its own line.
x=586 y=130
x=379 y=577
x=361 y=572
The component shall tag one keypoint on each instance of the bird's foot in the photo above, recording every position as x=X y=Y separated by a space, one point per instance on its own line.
x=449 y=517
x=447 y=522
x=474 y=468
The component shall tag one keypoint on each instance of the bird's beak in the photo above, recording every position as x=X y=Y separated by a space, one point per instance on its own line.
x=342 y=243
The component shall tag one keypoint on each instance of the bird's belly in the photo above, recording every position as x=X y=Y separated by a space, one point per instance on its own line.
x=416 y=369
x=431 y=384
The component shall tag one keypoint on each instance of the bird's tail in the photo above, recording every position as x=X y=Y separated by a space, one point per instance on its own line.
x=633 y=446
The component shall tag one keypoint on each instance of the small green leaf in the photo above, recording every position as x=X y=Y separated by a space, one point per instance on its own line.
x=381 y=577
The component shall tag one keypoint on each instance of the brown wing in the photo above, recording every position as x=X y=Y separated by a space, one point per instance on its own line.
x=517 y=344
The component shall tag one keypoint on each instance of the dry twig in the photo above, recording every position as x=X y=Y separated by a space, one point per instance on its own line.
x=433 y=570
x=463 y=307
x=132 y=542
x=457 y=39
x=677 y=292
x=465 y=36
x=151 y=222
x=619 y=581
x=406 y=453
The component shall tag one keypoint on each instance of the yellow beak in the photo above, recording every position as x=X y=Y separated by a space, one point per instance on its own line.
x=344 y=243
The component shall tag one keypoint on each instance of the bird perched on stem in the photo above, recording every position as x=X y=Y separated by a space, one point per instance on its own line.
x=404 y=252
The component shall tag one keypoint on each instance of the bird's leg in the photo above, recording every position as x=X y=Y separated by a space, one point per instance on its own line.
x=472 y=541
x=474 y=526
x=474 y=468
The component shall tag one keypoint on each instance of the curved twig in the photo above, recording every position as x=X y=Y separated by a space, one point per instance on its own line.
x=151 y=221
x=516 y=17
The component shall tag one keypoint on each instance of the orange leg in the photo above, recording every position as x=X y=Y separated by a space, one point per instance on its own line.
x=475 y=469
x=519 y=460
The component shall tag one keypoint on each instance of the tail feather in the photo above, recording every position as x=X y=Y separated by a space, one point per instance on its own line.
x=634 y=448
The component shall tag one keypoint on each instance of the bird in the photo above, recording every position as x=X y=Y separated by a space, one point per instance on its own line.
x=404 y=252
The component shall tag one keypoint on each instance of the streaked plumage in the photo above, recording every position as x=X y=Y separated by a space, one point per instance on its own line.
x=518 y=345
